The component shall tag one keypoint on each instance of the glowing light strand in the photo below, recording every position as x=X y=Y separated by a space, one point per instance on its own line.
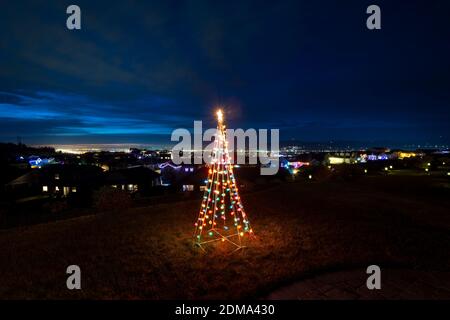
x=221 y=198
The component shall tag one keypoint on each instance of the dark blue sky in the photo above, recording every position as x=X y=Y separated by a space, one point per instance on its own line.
x=139 y=69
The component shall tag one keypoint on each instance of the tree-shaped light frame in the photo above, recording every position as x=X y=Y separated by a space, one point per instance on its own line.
x=222 y=216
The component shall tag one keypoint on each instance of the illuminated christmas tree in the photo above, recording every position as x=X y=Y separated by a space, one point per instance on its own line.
x=222 y=216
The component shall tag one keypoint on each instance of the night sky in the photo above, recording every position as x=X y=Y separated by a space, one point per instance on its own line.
x=139 y=69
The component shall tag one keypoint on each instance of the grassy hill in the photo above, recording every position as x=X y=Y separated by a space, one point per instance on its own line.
x=301 y=229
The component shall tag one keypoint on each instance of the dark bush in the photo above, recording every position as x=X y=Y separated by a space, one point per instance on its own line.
x=347 y=172
x=108 y=199
x=55 y=206
x=321 y=173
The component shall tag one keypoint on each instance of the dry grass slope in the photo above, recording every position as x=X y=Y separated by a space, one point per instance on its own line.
x=301 y=229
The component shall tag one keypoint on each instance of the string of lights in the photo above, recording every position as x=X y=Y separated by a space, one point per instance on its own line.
x=222 y=216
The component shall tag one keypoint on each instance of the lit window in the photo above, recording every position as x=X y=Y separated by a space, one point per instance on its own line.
x=44 y=188
x=57 y=176
x=188 y=187
x=132 y=187
x=74 y=189
x=56 y=188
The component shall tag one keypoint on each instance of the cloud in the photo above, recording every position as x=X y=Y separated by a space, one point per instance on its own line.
x=58 y=114
x=147 y=67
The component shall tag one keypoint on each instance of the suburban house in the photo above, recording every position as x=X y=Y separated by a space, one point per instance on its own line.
x=57 y=180
x=133 y=179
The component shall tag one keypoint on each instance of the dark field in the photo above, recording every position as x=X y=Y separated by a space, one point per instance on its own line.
x=302 y=229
